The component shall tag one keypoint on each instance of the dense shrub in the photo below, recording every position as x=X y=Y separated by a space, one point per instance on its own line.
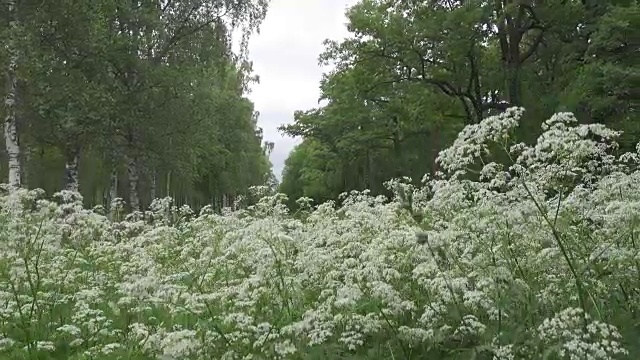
x=528 y=260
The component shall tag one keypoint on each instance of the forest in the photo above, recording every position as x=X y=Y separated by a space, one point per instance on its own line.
x=131 y=99
x=468 y=188
x=412 y=74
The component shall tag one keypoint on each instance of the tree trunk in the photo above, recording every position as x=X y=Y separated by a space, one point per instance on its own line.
x=168 y=184
x=366 y=183
x=10 y=129
x=153 y=186
x=513 y=24
x=513 y=84
x=474 y=115
x=113 y=186
x=397 y=155
x=71 y=180
x=132 y=171
x=26 y=160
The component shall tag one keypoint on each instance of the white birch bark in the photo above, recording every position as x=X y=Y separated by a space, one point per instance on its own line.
x=132 y=171
x=154 y=185
x=113 y=188
x=10 y=101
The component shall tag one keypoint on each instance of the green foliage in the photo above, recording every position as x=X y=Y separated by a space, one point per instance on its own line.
x=535 y=259
x=149 y=87
x=413 y=73
x=309 y=172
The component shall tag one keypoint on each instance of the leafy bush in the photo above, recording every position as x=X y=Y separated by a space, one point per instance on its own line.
x=533 y=259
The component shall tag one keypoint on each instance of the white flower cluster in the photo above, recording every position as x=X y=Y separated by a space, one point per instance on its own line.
x=575 y=336
x=535 y=258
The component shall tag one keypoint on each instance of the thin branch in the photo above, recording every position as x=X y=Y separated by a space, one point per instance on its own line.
x=166 y=6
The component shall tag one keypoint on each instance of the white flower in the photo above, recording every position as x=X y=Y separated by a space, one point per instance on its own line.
x=45 y=346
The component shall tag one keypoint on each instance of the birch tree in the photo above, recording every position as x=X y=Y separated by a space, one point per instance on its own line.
x=11 y=138
x=142 y=98
x=155 y=37
x=68 y=83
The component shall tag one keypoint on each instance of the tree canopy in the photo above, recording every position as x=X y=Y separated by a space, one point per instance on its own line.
x=413 y=73
x=131 y=99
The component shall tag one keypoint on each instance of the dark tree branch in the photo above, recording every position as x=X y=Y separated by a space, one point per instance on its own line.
x=181 y=33
x=532 y=49
x=166 y=6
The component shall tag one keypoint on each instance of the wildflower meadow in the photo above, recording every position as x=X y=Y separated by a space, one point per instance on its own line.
x=533 y=257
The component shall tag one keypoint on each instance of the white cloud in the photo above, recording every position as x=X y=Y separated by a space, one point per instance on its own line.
x=285 y=56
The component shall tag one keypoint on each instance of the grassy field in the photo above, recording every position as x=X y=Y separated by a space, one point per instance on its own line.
x=537 y=259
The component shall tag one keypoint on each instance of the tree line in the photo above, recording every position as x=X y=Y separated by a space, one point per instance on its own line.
x=412 y=74
x=131 y=99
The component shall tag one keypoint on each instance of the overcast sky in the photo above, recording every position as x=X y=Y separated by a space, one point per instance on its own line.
x=285 y=56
